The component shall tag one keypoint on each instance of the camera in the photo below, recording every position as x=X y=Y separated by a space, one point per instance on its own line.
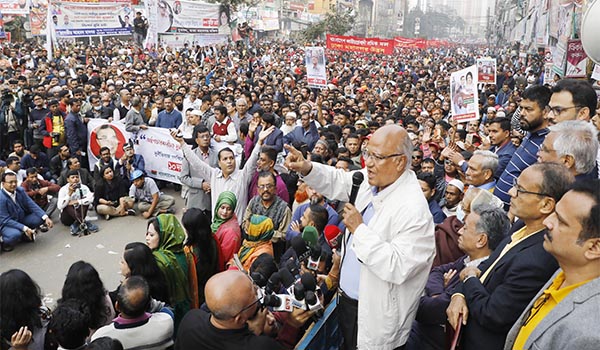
x=83 y=228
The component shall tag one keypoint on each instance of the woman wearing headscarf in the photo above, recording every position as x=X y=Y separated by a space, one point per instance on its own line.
x=225 y=225
x=165 y=236
x=260 y=232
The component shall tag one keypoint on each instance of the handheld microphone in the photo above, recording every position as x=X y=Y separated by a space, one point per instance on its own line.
x=357 y=179
x=314 y=259
x=310 y=235
x=300 y=248
x=279 y=302
x=312 y=301
x=273 y=283
x=293 y=268
x=287 y=279
x=309 y=282
x=333 y=235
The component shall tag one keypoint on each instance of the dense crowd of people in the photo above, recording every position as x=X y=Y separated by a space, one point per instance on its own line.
x=366 y=191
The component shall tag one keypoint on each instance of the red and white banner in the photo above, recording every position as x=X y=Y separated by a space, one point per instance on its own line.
x=576 y=60
x=356 y=44
x=416 y=43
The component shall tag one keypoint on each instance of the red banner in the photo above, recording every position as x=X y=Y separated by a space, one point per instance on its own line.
x=356 y=44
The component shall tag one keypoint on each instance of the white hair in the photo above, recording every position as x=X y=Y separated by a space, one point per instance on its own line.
x=490 y=160
x=578 y=139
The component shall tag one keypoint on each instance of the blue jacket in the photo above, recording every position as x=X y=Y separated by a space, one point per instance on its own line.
x=76 y=133
x=169 y=120
x=11 y=213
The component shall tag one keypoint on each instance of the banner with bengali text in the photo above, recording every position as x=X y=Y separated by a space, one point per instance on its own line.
x=37 y=17
x=77 y=19
x=576 y=60
x=162 y=154
x=356 y=44
x=191 y=17
x=14 y=7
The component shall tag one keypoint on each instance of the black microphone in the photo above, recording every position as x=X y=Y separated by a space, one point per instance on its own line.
x=357 y=179
x=286 y=277
x=293 y=268
x=308 y=281
x=300 y=247
x=273 y=283
x=299 y=291
x=314 y=259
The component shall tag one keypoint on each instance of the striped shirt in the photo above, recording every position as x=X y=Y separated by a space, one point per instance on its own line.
x=524 y=156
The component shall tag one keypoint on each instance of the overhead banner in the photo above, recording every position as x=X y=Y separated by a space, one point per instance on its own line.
x=37 y=17
x=463 y=92
x=486 y=70
x=315 y=67
x=14 y=7
x=162 y=154
x=192 y=17
x=356 y=44
x=178 y=40
x=576 y=60
x=410 y=43
x=77 y=19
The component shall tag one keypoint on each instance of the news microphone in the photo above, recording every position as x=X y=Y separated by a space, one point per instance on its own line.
x=357 y=179
x=259 y=279
x=310 y=235
x=299 y=292
x=300 y=248
x=314 y=259
x=287 y=279
x=312 y=301
x=309 y=282
x=293 y=268
x=279 y=302
x=273 y=283
x=333 y=235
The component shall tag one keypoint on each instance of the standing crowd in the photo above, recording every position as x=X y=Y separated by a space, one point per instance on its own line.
x=366 y=192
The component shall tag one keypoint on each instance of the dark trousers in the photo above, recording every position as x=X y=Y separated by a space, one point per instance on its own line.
x=348 y=321
x=71 y=214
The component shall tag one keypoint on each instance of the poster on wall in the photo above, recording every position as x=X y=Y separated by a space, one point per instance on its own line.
x=464 y=96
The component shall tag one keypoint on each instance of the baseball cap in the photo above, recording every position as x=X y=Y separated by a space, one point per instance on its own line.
x=136 y=174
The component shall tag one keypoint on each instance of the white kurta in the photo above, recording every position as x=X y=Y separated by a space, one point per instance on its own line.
x=237 y=182
x=396 y=251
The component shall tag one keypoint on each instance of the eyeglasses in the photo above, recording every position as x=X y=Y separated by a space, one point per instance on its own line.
x=259 y=298
x=265 y=187
x=519 y=190
x=536 y=307
x=558 y=110
x=417 y=157
x=378 y=158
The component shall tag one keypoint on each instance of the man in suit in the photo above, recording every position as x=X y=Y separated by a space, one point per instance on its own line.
x=563 y=315
x=19 y=215
x=492 y=296
x=485 y=227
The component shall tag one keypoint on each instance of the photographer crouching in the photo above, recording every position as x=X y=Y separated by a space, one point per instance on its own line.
x=236 y=316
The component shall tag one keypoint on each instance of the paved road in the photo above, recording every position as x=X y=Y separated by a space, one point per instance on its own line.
x=48 y=259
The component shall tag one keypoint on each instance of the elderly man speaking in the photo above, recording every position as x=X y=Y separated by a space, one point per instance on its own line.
x=389 y=242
